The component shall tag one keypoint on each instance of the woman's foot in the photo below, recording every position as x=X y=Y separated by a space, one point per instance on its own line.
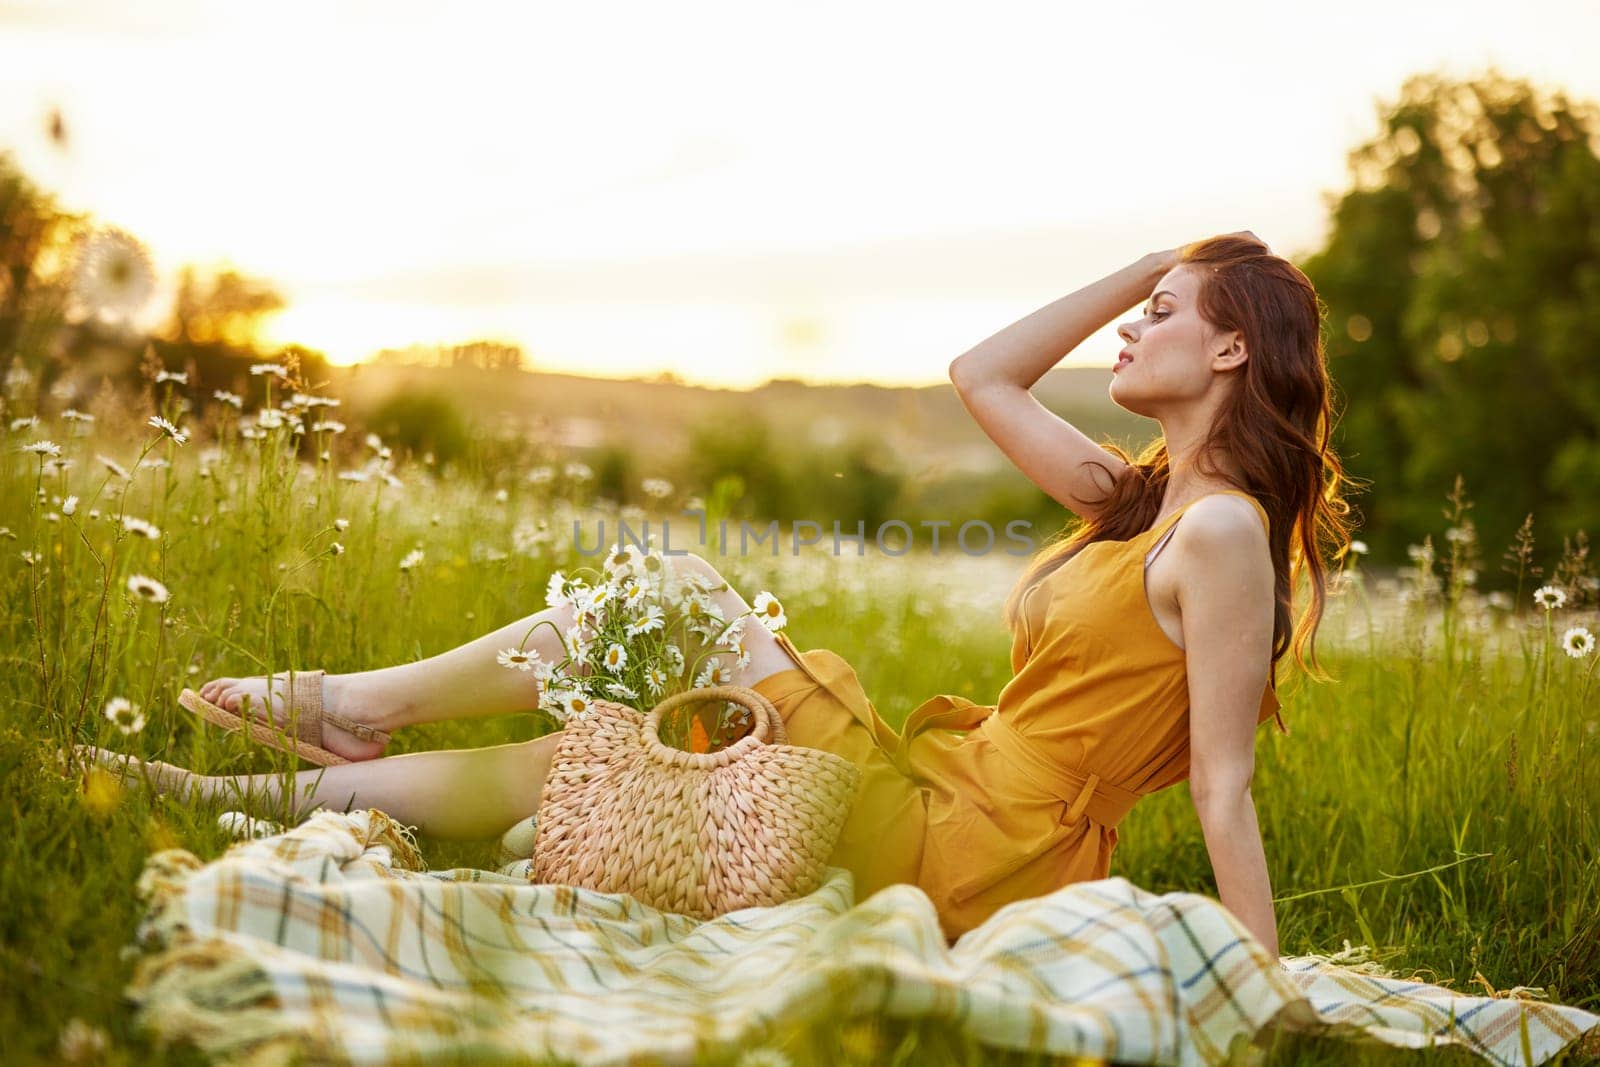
x=166 y=777
x=341 y=693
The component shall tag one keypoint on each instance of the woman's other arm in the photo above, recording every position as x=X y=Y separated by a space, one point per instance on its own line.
x=1225 y=599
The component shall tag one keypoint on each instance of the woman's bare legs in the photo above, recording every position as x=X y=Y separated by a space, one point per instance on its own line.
x=462 y=793
x=464 y=682
x=467 y=681
x=467 y=793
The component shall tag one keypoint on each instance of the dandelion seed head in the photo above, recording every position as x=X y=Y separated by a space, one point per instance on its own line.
x=114 y=275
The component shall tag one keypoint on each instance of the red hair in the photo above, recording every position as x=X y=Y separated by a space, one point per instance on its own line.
x=1276 y=427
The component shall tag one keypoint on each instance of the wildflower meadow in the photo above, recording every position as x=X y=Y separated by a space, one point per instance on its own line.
x=1433 y=808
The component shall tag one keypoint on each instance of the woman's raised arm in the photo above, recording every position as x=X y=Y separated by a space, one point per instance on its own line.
x=994 y=380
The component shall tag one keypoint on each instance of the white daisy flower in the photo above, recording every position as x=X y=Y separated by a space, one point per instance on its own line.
x=578 y=472
x=555 y=591
x=599 y=598
x=139 y=527
x=179 y=376
x=770 y=611
x=733 y=633
x=233 y=400
x=741 y=653
x=269 y=368
x=632 y=589
x=1358 y=548
x=518 y=660
x=113 y=466
x=269 y=418
x=675 y=663
x=573 y=638
x=350 y=476
x=714 y=674
x=651 y=619
x=622 y=691
x=622 y=560
x=147 y=589
x=574 y=705
x=69 y=505
x=543 y=672
x=30 y=558
x=616 y=657
x=655 y=679
x=391 y=481
x=167 y=428
x=26 y=422
x=1548 y=597
x=501 y=496
x=657 y=487
x=125 y=715
x=374 y=442
x=336 y=548
x=414 y=557
x=74 y=415
x=328 y=426
x=114 y=275
x=42 y=448
x=341 y=525
x=1577 y=642
x=541 y=475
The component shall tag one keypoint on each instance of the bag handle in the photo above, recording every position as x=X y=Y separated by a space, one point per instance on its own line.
x=768 y=728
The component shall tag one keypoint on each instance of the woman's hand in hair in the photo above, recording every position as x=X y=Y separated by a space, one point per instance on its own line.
x=1174 y=256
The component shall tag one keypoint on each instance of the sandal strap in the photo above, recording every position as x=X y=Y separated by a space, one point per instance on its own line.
x=305 y=705
x=359 y=729
x=306 y=694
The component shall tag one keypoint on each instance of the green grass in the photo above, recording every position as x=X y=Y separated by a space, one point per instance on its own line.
x=1456 y=740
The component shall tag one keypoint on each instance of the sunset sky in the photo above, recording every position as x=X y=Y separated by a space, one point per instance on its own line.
x=731 y=191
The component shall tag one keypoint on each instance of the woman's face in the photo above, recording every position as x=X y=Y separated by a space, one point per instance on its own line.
x=1174 y=351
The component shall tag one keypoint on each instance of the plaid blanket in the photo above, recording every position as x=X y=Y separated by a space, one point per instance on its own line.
x=332 y=941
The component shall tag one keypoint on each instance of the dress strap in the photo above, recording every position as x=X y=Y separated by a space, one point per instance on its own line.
x=1083 y=793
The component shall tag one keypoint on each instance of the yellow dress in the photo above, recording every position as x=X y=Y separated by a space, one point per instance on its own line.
x=981 y=805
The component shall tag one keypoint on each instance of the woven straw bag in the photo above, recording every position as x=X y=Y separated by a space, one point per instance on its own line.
x=696 y=833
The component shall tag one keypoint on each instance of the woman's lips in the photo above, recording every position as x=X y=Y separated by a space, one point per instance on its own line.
x=1123 y=359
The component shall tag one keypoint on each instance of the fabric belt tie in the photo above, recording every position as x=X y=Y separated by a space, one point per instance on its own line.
x=1084 y=794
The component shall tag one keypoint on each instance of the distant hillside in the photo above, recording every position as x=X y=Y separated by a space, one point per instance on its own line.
x=927 y=427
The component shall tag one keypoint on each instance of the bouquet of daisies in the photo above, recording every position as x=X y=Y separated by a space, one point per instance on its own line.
x=643 y=631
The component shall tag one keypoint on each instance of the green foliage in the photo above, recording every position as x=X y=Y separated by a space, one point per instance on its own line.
x=1462 y=278
x=422 y=421
x=1466 y=737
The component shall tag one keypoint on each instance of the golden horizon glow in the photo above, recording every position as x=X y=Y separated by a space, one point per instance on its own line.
x=837 y=208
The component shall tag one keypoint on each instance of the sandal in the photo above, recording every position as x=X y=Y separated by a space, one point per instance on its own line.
x=305 y=697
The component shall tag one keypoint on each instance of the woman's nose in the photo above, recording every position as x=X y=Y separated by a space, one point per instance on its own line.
x=1125 y=333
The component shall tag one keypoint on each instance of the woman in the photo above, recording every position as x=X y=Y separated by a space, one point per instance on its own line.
x=1130 y=674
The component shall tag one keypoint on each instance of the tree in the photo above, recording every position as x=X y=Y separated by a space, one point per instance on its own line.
x=1462 y=280
x=227 y=307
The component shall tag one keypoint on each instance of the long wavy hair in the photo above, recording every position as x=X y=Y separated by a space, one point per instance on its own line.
x=1276 y=426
